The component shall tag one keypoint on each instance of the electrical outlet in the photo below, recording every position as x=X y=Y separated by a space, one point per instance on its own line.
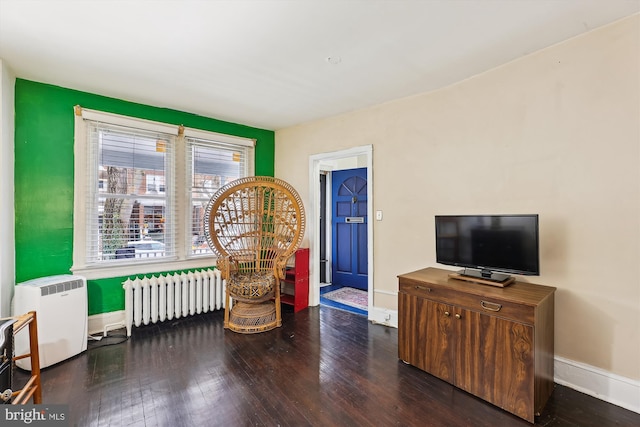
x=378 y=215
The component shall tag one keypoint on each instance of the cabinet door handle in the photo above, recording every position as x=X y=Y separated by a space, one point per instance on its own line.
x=446 y=313
x=491 y=306
x=423 y=288
x=458 y=316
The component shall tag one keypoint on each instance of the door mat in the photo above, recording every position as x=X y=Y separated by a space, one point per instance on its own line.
x=349 y=296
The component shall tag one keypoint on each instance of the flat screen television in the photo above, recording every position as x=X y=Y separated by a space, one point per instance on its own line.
x=489 y=245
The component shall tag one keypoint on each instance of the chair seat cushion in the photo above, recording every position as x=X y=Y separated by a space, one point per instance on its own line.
x=255 y=286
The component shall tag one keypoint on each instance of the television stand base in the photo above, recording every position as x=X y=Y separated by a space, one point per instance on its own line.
x=476 y=277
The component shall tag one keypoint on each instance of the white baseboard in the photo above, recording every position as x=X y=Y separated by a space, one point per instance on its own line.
x=384 y=316
x=596 y=382
x=98 y=322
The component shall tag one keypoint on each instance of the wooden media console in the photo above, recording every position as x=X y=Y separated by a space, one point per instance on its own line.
x=495 y=343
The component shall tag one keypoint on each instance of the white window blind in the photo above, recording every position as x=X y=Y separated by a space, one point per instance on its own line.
x=211 y=164
x=131 y=210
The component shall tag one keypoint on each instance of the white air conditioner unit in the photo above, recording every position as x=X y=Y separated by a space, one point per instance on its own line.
x=60 y=303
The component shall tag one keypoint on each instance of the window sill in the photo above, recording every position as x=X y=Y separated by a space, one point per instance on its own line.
x=141 y=268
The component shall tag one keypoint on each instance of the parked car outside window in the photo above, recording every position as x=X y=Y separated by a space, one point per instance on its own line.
x=147 y=248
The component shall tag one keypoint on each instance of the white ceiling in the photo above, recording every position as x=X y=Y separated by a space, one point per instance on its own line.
x=264 y=63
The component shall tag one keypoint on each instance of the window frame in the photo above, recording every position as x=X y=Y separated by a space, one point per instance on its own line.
x=178 y=184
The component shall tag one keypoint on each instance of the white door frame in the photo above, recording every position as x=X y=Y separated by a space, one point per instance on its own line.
x=317 y=163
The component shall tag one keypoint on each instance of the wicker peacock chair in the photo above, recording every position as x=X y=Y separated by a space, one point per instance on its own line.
x=254 y=225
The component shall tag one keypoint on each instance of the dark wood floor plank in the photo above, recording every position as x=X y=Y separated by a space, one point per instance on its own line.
x=323 y=367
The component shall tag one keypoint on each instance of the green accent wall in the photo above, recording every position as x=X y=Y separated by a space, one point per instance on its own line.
x=44 y=162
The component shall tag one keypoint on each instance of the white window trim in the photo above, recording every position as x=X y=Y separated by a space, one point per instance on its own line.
x=183 y=261
x=220 y=137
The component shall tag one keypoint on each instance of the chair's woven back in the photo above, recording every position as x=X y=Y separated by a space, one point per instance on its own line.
x=254 y=223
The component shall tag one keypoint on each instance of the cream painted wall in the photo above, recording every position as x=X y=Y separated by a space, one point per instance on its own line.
x=555 y=133
x=7 y=243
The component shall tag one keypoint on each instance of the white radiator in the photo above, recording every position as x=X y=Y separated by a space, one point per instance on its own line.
x=156 y=299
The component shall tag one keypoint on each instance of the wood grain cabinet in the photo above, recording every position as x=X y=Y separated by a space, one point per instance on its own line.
x=495 y=343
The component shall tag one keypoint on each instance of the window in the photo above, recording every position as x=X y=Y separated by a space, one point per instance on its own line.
x=141 y=189
x=210 y=167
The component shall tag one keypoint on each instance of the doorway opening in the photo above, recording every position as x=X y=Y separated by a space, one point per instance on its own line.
x=322 y=231
x=347 y=223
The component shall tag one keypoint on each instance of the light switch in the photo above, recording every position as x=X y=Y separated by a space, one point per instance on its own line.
x=378 y=215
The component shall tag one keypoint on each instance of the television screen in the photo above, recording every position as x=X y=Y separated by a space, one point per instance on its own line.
x=488 y=243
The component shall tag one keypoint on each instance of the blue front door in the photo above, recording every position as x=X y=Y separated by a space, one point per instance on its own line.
x=349 y=228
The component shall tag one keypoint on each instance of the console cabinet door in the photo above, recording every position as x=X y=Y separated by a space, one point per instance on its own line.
x=425 y=335
x=440 y=341
x=412 y=329
x=495 y=361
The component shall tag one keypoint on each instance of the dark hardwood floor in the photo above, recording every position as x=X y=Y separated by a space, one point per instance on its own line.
x=324 y=367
